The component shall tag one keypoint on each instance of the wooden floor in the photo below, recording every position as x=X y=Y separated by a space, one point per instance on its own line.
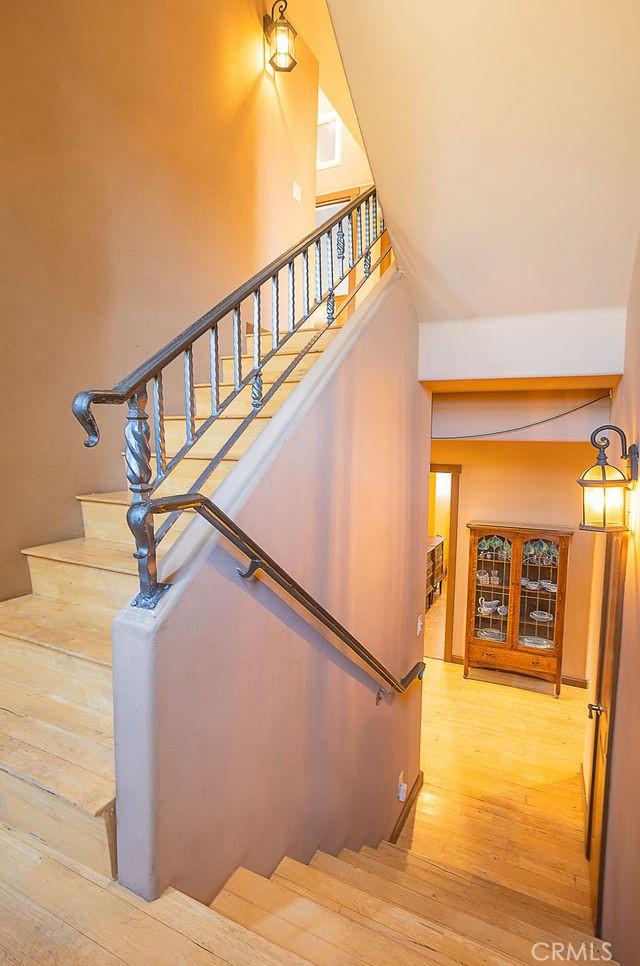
x=435 y=621
x=503 y=794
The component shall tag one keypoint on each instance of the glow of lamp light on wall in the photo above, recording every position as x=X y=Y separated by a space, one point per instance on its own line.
x=281 y=38
x=605 y=487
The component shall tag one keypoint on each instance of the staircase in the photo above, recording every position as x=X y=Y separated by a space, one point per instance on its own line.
x=60 y=901
x=376 y=906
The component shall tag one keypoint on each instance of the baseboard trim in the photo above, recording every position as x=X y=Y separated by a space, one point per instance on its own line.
x=566 y=678
x=574 y=682
x=406 y=808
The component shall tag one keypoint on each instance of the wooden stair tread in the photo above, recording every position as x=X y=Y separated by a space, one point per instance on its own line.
x=56 y=904
x=539 y=886
x=405 y=927
x=304 y=926
x=85 y=552
x=48 y=700
x=410 y=894
x=71 y=627
x=478 y=892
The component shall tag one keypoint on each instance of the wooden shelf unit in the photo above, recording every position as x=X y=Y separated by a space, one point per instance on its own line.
x=509 y=564
x=434 y=569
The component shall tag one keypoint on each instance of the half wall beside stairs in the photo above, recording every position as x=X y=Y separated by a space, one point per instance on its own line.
x=242 y=733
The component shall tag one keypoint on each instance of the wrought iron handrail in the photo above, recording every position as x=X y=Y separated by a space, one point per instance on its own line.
x=336 y=251
x=140 y=518
x=149 y=369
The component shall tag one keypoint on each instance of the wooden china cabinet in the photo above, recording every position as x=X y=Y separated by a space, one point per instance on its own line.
x=516 y=599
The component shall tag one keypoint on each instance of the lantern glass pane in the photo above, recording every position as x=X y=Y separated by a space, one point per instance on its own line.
x=593 y=502
x=282 y=46
x=614 y=504
x=604 y=506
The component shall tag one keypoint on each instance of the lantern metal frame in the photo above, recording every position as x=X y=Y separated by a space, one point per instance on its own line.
x=629 y=454
x=270 y=24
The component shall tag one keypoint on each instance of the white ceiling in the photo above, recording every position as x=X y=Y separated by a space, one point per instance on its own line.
x=504 y=136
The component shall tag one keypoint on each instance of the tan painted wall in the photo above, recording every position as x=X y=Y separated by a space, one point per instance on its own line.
x=468 y=413
x=146 y=170
x=534 y=484
x=622 y=873
x=505 y=140
x=254 y=736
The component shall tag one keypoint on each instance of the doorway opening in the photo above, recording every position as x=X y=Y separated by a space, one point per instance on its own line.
x=444 y=486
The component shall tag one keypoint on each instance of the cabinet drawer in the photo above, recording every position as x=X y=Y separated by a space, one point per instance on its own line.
x=507 y=659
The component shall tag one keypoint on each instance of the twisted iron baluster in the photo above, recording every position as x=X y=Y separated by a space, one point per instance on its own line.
x=214 y=363
x=374 y=204
x=137 y=446
x=237 y=347
x=340 y=248
x=305 y=283
x=331 y=299
x=256 y=391
x=367 y=238
x=275 y=311
x=350 y=241
x=359 y=230
x=292 y=296
x=189 y=395
x=256 y=387
x=158 y=426
x=318 y=261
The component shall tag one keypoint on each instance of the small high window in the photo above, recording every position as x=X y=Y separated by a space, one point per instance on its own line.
x=329 y=140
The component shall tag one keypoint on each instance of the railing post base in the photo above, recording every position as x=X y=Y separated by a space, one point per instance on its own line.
x=148 y=602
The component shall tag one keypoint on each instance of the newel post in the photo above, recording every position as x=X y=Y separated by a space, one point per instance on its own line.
x=138 y=459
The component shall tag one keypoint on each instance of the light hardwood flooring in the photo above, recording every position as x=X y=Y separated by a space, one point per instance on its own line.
x=435 y=622
x=503 y=796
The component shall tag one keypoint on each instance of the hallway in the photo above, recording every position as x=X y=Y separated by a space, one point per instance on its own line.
x=502 y=798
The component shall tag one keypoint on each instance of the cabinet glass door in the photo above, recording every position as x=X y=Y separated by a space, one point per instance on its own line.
x=493 y=584
x=540 y=559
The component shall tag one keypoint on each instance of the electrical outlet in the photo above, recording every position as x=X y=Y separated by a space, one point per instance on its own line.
x=400 y=783
x=296 y=191
x=402 y=787
x=419 y=624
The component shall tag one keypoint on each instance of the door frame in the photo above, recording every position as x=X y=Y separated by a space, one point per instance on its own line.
x=616 y=544
x=455 y=469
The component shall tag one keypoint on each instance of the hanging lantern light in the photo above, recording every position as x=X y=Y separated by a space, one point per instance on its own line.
x=281 y=38
x=605 y=487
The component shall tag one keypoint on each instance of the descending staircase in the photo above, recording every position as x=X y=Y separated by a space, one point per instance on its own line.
x=377 y=906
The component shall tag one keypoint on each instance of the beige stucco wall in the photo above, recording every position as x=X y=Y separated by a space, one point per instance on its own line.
x=242 y=732
x=622 y=870
x=533 y=484
x=146 y=170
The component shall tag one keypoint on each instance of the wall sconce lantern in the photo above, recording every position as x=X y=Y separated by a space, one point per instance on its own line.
x=604 y=487
x=281 y=38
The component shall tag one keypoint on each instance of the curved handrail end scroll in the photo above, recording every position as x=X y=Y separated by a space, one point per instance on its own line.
x=81 y=409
